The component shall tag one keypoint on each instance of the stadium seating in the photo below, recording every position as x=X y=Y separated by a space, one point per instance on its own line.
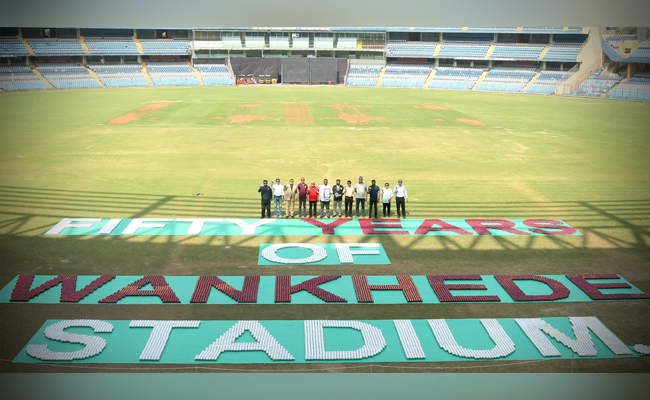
x=214 y=74
x=455 y=78
x=70 y=47
x=11 y=45
x=113 y=45
x=165 y=73
x=20 y=77
x=165 y=47
x=507 y=79
x=597 y=84
x=363 y=74
x=458 y=49
x=406 y=49
x=643 y=51
x=323 y=42
x=563 y=51
x=67 y=75
x=120 y=75
x=616 y=40
x=406 y=75
x=547 y=82
x=346 y=43
x=635 y=88
x=516 y=51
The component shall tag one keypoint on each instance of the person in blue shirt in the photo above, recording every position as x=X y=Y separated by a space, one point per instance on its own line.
x=374 y=192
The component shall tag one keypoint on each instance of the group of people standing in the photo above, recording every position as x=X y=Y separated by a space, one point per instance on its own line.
x=326 y=195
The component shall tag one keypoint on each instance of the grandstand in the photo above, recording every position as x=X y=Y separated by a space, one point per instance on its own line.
x=528 y=60
x=635 y=88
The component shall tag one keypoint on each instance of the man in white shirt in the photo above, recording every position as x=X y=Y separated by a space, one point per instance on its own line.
x=325 y=192
x=361 y=190
x=278 y=192
x=386 y=196
x=401 y=196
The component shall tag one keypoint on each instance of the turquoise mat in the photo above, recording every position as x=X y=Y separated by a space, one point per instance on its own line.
x=125 y=344
x=183 y=287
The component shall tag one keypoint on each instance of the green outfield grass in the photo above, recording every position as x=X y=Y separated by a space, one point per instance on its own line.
x=460 y=154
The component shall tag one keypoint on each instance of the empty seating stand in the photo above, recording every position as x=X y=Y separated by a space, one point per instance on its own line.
x=616 y=40
x=67 y=75
x=507 y=79
x=120 y=75
x=363 y=74
x=459 y=49
x=406 y=75
x=517 y=52
x=410 y=49
x=455 y=78
x=111 y=46
x=635 y=88
x=20 y=77
x=597 y=84
x=12 y=46
x=70 y=47
x=165 y=73
x=643 y=51
x=214 y=74
x=563 y=51
x=165 y=46
x=547 y=82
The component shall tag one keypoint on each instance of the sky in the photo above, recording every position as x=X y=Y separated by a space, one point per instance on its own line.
x=339 y=13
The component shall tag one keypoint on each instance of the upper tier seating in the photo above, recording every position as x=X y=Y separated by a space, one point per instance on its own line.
x=323 y=42
x=214 y=74
x=363 y=74
x=643 y=51
x=406 y=75
x=120 y=75
x=517 y=51
x=459 y=49
x=507 y=79
x=56 y=46
x=455 y=78
x=406 y=49
x=11 y=45
x=635 y=88
x=112 y=45
x=559 y=51
x=67 y=75
x=547 y=82
x=20 y=77
x=616 y=40
x=597 y=84
x=165 y=47
x=346 y=43
x=166 y=73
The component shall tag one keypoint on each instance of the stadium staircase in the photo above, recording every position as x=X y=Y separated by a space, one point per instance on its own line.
x=29 y=48
x=93 y=74
x=478 y=81
x=615 y=86
x=379 y=78
x=84 y=46
x=146 y=74
x=543 y=53
x=430 y=78
x=530 y=82
x=490 y=50
x=141 y=51
x=38 y=73
x=232 y=74
x=196 y=72
x=437 y=50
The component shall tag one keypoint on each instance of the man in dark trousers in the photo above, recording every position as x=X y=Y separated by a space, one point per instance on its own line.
x=302 y=198
x=267 y=195
x=373 y=194
x=401 y=196
x=338 y=197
